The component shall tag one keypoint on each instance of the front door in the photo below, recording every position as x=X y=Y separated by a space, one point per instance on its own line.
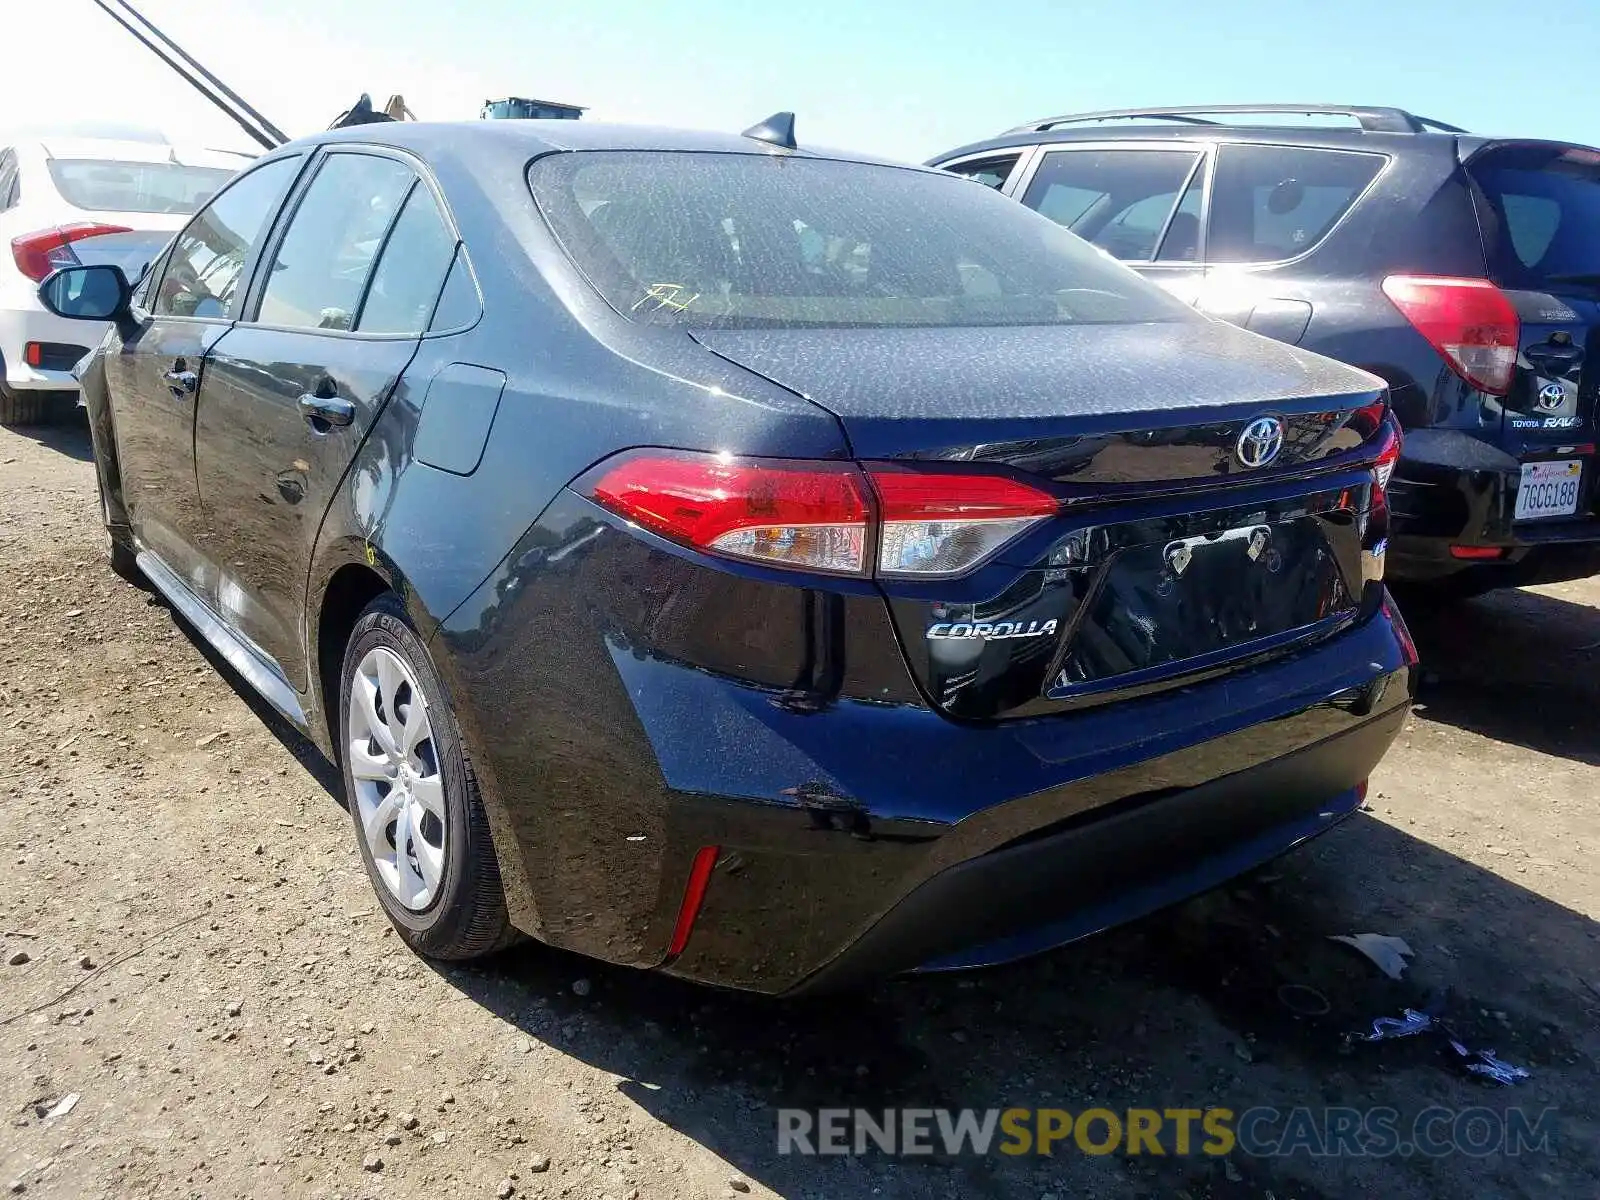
x=291 y=391
x=155 y=374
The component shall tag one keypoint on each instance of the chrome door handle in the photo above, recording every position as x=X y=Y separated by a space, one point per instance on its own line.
x=182 y=383
x=323 y=412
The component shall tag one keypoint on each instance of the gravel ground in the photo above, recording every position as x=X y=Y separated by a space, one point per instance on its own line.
x=207 y=971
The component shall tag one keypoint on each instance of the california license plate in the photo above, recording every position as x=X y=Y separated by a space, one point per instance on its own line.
x=1549 y=489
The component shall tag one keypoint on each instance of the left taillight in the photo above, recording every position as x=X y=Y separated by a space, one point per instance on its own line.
x=1470 y=322
x=810 y=515
x=1388 y=455
x=37 y=254
x=841 y=518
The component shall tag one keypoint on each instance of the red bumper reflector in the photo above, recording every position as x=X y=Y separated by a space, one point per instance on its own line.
x=693 y=894
x=33 y=354
x=1361 y=791
x=1475 y=552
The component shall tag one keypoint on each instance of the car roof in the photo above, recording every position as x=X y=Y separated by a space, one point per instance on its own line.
x=535 y=137
x=1297 y=135
x=1453 y=144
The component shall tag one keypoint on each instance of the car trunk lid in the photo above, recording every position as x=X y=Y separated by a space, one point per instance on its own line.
x=1182 y=543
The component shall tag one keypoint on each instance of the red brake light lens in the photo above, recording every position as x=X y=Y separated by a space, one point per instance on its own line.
x=821 y=516
x=1468 y=321
x=37 y=254
x=811 y=515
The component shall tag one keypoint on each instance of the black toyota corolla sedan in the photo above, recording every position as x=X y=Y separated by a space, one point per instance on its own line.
x=773 y=567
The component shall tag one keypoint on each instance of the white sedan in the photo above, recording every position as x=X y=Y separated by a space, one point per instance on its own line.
x=66 y=201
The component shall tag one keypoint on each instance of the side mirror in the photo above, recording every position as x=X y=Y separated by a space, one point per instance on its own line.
x=98 y=293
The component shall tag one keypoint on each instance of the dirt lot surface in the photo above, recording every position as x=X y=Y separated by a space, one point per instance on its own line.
x=209 y=974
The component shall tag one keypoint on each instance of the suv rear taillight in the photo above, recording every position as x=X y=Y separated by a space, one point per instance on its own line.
x=46 y=250
x=820 y=516
x=1388 y=455
x=1470 y=322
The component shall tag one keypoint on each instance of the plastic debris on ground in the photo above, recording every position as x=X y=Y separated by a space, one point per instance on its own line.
x=1485 y=1064
x=1408 y=1024
x=1388 y=954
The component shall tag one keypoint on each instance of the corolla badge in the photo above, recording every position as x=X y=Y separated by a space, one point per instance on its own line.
x=1551 y=397
x=990 y=631
x=1260 y=442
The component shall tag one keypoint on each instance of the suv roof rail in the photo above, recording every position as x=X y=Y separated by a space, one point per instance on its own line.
x=1372 y=119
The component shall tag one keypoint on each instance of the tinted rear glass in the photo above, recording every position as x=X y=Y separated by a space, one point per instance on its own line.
x=1540 y=210
x=760 y=240
x=103 y=185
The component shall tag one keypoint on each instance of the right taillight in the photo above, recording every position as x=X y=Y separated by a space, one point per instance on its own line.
x=937 y=523
x=821 y=516
x=1470 y=322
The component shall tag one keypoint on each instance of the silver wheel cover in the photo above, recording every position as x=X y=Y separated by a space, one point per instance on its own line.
x=399 y=794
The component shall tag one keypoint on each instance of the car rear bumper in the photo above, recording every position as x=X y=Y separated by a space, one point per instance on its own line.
x=19 y=326
x=859 y=839
x=1113 y=867
x=1452 y=506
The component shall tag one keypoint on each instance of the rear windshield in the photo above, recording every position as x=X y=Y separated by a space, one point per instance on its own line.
x=1540 y=210
x=105 y=185
x=765 y=240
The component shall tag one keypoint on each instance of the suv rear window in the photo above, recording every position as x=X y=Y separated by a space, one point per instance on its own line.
x=1270 y=203
x=105 y=185
x=1539 y=207
x=759 y=241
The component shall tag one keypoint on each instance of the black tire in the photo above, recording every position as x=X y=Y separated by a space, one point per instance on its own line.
x=35 y=408
x=467 y=916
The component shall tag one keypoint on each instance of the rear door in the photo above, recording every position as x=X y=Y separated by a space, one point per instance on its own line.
x=1270 y=207
x=154 y=375
x=292 y=390
x=1539 y=209
x=1141 y=204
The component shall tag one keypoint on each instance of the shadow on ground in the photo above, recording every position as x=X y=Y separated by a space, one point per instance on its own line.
x=1187 y=1008
x=1516 y=666
x=68 y=435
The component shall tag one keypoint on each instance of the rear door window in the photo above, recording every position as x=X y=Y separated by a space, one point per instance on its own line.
x=202 y=272
x=1118 y=199
x=406 y=283
x=1181 y=243
x=1269 y=203
x=321 y=266
x=1540 y=214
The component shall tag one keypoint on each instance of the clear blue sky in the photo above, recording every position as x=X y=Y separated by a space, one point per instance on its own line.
x=907 y=78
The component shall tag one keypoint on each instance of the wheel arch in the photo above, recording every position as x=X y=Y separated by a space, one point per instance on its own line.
x=346 y=594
